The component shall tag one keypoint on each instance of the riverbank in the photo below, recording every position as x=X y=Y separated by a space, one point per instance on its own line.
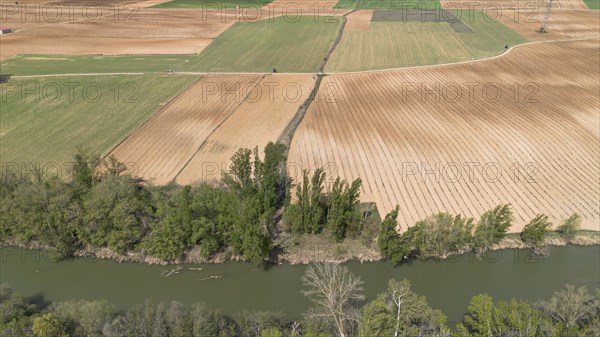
x=304 y=249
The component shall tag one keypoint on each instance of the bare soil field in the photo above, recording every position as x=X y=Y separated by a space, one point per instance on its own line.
x=563 y=24
x=145 y=23
x=164 y=144
x=359 y=21
x=257 y=121
x=427 y=140
x=24 y=44
x=143 y=31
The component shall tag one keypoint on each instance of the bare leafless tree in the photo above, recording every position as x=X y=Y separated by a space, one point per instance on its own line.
x=335 y=291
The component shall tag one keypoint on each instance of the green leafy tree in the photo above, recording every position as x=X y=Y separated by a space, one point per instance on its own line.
x=569 y=227
x=389 y=237
x=117 y=212
x=342 y=210
x=377 y=319
x=48 y=325
x=535 y=232
x=492 y=227
x=480 y=316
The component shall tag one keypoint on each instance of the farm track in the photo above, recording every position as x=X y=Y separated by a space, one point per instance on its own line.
x=206 y=73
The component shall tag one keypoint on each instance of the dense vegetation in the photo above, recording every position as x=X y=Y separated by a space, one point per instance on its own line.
x=443 y=234
x=570 y=312
x=102 y=207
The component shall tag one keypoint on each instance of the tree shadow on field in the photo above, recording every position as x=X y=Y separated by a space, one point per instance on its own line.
x=5 y=78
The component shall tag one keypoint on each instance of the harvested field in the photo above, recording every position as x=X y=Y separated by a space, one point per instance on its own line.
x=164 y=145
x=23 y=44
x=359 y=21
x=43 y=121
x=256 y=122
x=145 y=31
x=145 y=23
x=403 y=44
x=415 y=142
x=564 y=24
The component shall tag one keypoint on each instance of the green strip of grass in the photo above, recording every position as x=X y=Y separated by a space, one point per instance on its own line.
x=592 y=4
x=44 y=120
x=69 y=64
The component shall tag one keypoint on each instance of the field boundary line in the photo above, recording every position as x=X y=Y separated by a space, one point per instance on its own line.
x=168 y=104
x=187 y=162
x=204 y=73
x=506 y=52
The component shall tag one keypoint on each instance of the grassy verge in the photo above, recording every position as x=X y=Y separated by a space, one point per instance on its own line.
x=403 y=44
x=69 y=64
x=44 y=120
x=592 y=4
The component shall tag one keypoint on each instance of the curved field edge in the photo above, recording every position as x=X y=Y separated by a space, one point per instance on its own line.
x=372 y=129
x=44 y=120
x=404 y=44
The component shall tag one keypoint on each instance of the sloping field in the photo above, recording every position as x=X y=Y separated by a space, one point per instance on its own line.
x=261 y=46
x=563 y=24
x=359 y=21
x=422 y=139
x=256 y=122
x=162 y=146
x=403 y=44
x=44 y=120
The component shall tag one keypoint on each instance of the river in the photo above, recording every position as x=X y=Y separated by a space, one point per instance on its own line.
x=448 y=285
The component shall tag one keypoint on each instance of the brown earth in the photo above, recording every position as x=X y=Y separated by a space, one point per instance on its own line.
x=415 y=142
x=143 y=31
x=563 y=24
x=22 y=44
x=165 y=144
x=359 y=21
x=260 y=119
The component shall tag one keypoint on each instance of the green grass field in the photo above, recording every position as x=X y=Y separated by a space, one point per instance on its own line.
x=229 y=4
x=47 y=125
x=389 y=4
x=261 y=46
x=403 y=44
x=70 y=64
x=592 y=4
